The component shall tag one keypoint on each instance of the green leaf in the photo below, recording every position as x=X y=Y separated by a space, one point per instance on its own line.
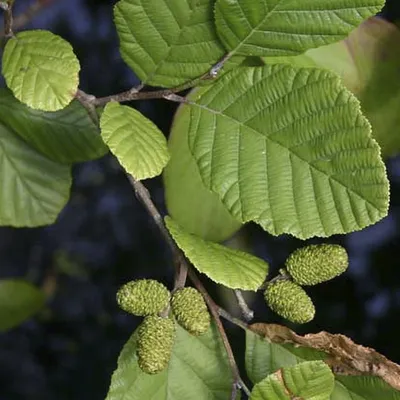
x=363 y=388
x=287 y=27
x=368 y=62
x=41 y=69
x=189 y=202
x=139 y=145
x=312 y=380
x=33 y=189
x=270 y=388
x=66 y=136
x=19 y=300
x=264 y=357
x=288 y=148
x=230 y=267
x=169 y=42
x=198 y=370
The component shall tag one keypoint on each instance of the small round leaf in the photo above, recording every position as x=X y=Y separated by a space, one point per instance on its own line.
x=139 y=145
x=41 y=69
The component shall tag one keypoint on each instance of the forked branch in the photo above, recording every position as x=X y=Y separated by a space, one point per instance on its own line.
x=135 y=93
x=183 y=268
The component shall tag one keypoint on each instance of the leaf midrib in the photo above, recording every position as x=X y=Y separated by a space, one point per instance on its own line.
x=273 y=10
x=255 y=28
x=267 y=138
x=172 y=45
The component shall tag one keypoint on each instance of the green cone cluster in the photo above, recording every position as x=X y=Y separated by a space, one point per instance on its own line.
x=314 y=264
x=190 y=310
x=143 y=297
x=289 y=301
x=155 y=341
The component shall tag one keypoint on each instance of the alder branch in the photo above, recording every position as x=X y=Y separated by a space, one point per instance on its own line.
x=215 y=312
x=184 y=269
x=236 y=321
x=27 y=15
x=8 y=17
x=179 y=261
x=248 y=314
x=87 y=101
x=135 y=93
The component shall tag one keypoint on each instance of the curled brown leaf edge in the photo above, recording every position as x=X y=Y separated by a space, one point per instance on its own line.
x=344 y=356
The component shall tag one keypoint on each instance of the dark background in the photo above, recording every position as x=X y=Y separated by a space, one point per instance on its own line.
x=104 y=238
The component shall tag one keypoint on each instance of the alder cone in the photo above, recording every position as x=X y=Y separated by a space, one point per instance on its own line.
x=289 y=301
x=317 y=263
x=143 y=297
x=190 y=310
x=155 y=341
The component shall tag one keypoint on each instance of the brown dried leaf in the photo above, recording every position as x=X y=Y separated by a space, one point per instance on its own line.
x=346 y=357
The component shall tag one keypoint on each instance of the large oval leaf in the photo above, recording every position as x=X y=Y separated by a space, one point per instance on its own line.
x=18 y=301
x=139 y=145
x=33 y=189
x=167 y=43
x=230 y=267
x=368 y=61
x=196 y=208
x=41 y=69
x=66 y=136
x=198 y=370
x=288 y=148
x=287 y=27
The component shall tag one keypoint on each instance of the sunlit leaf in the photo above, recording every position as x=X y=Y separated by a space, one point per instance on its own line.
x=270 y=388
x=189 y=201
x=139 y=145
x=287 y=27
x=167 y=43
x=41 y=69
x=288 y=148
x=368 y=61
x=230 y=267
x=312 y=380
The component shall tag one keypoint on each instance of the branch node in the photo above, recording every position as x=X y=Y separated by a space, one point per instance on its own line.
x=8 y=21
x=247 y=313
x=174 y=97
x=215 y=70
x=88 y=101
